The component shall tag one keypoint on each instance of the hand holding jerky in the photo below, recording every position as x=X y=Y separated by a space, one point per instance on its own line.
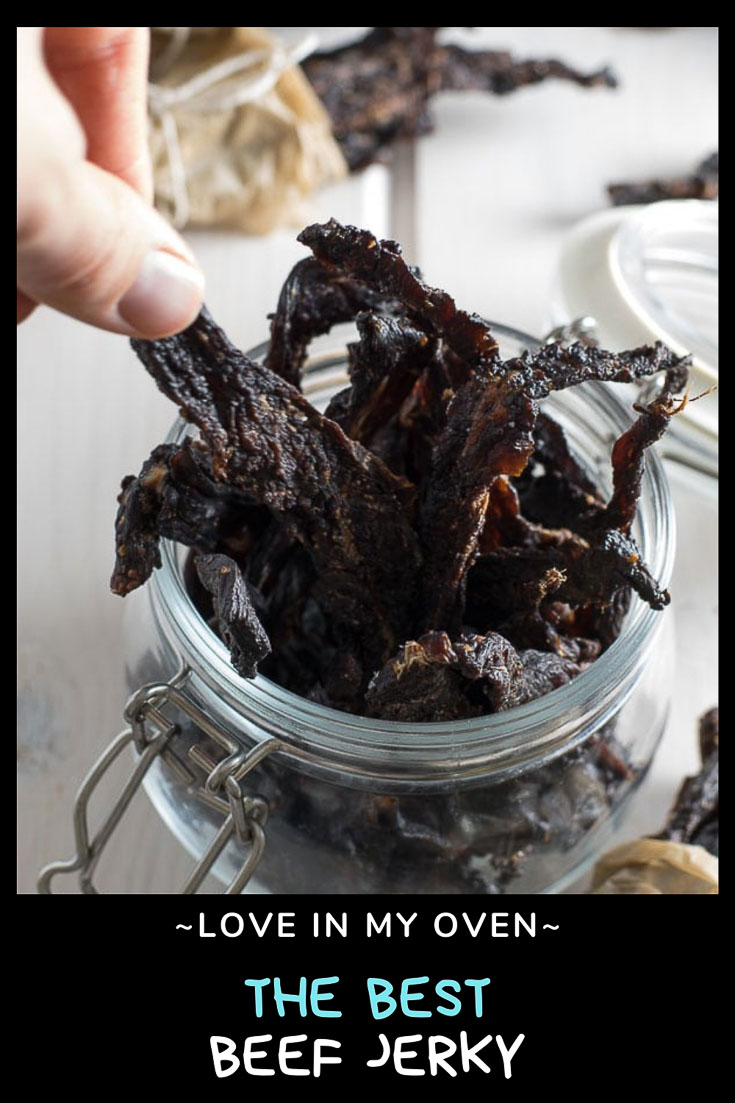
x=430 y=548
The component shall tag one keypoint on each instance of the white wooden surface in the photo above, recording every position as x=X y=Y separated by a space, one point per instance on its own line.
x=497 y=185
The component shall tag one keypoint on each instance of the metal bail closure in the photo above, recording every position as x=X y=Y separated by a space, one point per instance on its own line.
x=150 y=731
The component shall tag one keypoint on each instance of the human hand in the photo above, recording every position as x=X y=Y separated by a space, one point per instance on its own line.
x=89 y=242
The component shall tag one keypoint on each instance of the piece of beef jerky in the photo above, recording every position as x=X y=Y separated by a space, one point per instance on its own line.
x=350 y=512
x=556 y=367
x=497 y=71
x=553 y=451
x=489 y=432
x=420 y=684
x=378 y=89
x=695 y=817
x=383 y=367
x=536 y=631
x=709 y=733
x=492 y=662
x=175 y=496
x=239 y=625
x=423 y=415
x=431 y=678
x=380 y=265
x=313 y=299
x=703 y=183
x=505 y=526
x=511 y=583
x=628 y=455
x=544 y=671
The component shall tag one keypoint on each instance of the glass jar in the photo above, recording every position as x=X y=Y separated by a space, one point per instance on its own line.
x=514 y=802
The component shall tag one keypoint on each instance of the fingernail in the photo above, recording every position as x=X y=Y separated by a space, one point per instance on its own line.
x=165 y=297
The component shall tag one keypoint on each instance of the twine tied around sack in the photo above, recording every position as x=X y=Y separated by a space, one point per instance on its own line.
x=243 y=78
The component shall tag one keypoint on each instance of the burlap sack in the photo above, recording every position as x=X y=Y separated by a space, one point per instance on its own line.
x=238 y=137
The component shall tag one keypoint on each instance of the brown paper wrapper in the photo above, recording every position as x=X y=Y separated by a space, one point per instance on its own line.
x=656 y=867
x=248 y=166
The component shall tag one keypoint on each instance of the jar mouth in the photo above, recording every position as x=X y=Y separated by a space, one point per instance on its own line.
x=558 y=720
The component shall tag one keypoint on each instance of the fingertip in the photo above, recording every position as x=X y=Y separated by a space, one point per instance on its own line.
x=165 y=297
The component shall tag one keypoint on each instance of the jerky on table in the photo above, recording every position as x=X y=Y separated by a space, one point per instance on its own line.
x=378 y=89
x=703 y=183
x=497 y=71
x=350 y=512
x=695 y=817
x=239 y=624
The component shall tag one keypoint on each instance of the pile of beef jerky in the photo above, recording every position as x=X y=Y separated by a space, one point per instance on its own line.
x=702 y=183
x=427 y=549
x=378 y=89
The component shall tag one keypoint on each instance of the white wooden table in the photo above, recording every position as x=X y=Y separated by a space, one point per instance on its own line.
x=497 y=186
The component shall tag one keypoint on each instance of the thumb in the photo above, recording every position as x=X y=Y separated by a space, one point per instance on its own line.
x=89 y=246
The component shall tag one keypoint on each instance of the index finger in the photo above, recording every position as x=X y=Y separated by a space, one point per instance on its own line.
x=103 y=72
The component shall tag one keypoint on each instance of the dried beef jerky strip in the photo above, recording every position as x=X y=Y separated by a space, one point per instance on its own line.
x=384 y=365
x=239 y=625
x=702 y=184
x=590 y=573
x=174 y=497
x=505 y=526
x=555 y=367
x=695 y=817
x=378 y=89
x=492 y=662
x=312 y=300
x=497 y=71
x=429 y=678
x=489 y=432
x=534 y=630
x=423 y=414
x=380 y=265
x=511 y=582
x=596 y=572
x=420 y=684
x=628 y=454
x=709 y=733
x=341 y=502
x=544 y=671
x=553 y=451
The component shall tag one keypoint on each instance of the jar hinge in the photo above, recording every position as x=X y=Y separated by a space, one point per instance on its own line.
x=150 y=731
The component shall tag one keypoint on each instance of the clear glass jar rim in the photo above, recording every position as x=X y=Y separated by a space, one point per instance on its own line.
x=360 y=744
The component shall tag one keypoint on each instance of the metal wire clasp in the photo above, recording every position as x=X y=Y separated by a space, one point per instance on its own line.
x=150 y=731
